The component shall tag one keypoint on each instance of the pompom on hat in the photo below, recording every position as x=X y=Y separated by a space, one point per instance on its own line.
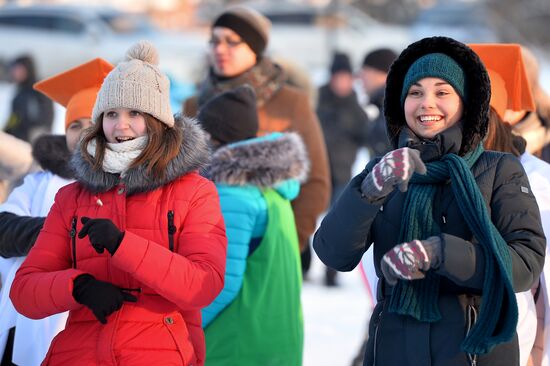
x=137 y=84
x=76 y=89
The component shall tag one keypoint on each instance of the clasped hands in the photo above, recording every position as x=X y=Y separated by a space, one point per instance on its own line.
x=102 y=298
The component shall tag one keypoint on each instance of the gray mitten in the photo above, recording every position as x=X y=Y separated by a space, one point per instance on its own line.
x=409 y=261
x=394 y=169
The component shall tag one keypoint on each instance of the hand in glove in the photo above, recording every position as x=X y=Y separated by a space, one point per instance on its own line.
x=103 y=298
x=394 y=169
x=103 y=234
x=409 y=261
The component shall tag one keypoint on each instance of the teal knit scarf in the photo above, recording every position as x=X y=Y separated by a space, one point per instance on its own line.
x=498 y=314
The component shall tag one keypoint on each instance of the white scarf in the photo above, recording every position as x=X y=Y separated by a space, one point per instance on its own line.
x=119 y=156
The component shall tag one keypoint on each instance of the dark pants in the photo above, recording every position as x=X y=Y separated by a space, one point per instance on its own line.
x=8 y=352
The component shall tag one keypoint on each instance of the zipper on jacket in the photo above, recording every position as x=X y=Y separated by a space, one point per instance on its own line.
x=171 y=230
x=471 y=314
x=73 y=239
x=376 y=326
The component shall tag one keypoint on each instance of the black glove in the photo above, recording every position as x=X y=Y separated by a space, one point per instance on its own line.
x=103 y=234
x=103 y=298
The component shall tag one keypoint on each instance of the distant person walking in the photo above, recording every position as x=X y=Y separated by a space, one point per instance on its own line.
x=373 y=74
x=344 y=124
x=31 y=112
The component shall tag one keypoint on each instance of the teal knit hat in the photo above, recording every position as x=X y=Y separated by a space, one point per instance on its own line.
x=436 y=65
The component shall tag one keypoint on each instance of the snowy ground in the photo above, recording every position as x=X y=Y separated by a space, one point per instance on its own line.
x=335 y=318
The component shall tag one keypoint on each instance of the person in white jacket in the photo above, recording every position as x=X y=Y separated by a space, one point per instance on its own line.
x=510 y=91
x=15 y=162
x=24 y=341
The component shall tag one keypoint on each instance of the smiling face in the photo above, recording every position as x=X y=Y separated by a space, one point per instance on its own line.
x=123 y=124
x=432 y=106
x=229 y=54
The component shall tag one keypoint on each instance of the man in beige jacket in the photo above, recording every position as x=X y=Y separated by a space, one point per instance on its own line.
x=238 y=40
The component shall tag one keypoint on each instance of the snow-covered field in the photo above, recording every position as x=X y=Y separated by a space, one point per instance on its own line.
x=335 y=318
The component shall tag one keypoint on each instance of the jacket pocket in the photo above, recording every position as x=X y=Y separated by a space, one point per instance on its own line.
x=176 y=326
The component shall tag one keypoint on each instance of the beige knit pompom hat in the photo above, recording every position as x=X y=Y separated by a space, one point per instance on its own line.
x=138 y=84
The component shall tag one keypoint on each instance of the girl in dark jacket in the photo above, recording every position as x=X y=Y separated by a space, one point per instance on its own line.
x=456 y=229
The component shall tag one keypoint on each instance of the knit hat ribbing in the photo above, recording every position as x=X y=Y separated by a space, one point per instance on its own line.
x=231 y=116
x=252 y=26
x=437 y=65
x=138 y=84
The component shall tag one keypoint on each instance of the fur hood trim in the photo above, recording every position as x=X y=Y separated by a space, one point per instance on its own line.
x=193 y=155
x=263 y=162
x=478 y=88
x=51 y=152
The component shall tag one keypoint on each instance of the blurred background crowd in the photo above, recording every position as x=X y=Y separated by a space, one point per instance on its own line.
x=41 y=38
x=61 y=34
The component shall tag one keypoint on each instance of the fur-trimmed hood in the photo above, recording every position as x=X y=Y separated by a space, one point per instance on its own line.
x=51 y=152
x=263 y=162
x=478 y=88
x=193 y=156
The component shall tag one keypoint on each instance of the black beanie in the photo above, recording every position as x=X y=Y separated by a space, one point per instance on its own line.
x=340 y=63
x=380 y=59
x=231 y=116
x=252 y=26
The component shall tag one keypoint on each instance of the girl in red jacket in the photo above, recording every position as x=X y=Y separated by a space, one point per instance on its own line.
x=136 y=247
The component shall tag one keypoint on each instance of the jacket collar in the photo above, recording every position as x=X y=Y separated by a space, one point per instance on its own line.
x=446 y=142
x=193 y=155
x=262 y=162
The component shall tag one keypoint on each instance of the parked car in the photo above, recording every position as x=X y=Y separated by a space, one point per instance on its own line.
x=63 y=36
x=468 y=22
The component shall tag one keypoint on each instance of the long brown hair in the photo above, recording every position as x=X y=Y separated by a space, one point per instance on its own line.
x=499 y=135
x=163 y=146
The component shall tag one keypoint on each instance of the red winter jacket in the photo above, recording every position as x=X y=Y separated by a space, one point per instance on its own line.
x=164 y=326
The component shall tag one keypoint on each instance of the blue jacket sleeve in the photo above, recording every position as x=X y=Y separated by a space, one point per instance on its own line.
x=241 y=209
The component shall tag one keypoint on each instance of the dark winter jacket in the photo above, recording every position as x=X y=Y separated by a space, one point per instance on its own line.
x=377 y=136
x=18 y=233
x=31 y=114
x=354 y=224
x=344 y=126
